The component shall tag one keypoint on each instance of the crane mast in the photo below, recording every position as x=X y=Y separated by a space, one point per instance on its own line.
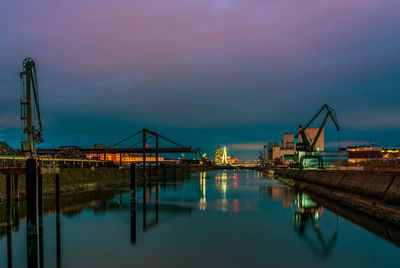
x=30 y=134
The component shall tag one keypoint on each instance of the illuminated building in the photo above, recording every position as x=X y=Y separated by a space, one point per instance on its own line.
x=358 y=154
x=123 y=158
x=218 y=156
x=391 y=153
x=285 y=152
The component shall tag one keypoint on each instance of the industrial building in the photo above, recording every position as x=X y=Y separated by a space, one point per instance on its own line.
x=285 y=153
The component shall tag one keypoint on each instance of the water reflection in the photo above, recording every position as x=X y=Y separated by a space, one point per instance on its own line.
x=307 y=214
x=250 y=221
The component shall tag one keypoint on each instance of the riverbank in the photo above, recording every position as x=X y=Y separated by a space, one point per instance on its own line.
x=375 y=194
x=81 y=179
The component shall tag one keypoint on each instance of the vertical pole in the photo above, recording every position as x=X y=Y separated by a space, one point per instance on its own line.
x=31 y=211
x=120 y=160
x=144 y=153
x=133 y=218
x=182 y=170
x=58 y=221
x=157 y=156
x=157 y=202
x=40 y=209
x=133 y=180
x=188 y=170
x=144 y=205
x=8 y=205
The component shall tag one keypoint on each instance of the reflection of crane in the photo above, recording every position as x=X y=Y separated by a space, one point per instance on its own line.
x=309 y=211
x=308 y=144
x=29 y=82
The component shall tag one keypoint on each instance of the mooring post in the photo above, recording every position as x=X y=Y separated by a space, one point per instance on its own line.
x=58 y=220
x=31 y=211
x=144 y=205
x=188 y=170
x=9 y=242
x=157 y=202
x=133 y=219
x=133 y=180
x=182 y=170
x=57 y=192
x=8 y=219
x=40 y=212
x=16 y=193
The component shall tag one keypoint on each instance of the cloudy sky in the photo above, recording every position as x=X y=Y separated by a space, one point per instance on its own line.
x=203 y=72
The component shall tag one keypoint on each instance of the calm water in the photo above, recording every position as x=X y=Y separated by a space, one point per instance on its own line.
x=216 y=219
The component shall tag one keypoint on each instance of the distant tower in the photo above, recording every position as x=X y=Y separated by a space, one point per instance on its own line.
x=224 y=157
x=218 y=156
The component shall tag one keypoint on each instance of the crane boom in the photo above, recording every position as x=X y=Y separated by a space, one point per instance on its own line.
x=33 y=135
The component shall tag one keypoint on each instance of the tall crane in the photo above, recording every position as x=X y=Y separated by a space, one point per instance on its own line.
x=29 y=118
x=308 y=144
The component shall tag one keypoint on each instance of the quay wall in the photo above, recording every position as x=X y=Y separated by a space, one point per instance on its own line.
x=78 y=179
x=382 y=187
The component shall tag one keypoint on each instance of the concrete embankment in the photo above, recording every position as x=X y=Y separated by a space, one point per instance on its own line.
x=375 y=194
x=78 y=179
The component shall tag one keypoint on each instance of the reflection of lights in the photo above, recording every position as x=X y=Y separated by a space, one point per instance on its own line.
x=203 y=201
x=236 y=180
x=236 y=205
x=224 y=205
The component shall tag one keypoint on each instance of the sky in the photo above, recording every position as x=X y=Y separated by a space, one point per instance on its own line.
x=203 y=72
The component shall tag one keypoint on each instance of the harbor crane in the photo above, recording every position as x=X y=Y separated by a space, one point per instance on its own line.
x=30 y=114
x=307 y=144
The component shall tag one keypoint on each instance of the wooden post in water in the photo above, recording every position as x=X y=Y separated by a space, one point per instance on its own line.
x=40 y=212
x=31 y=211
x=157 y=202
x=133 y=218
x=133 y=180
x=188 y=170
x=58 y=221
x=8 y=218
x=144 y=205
